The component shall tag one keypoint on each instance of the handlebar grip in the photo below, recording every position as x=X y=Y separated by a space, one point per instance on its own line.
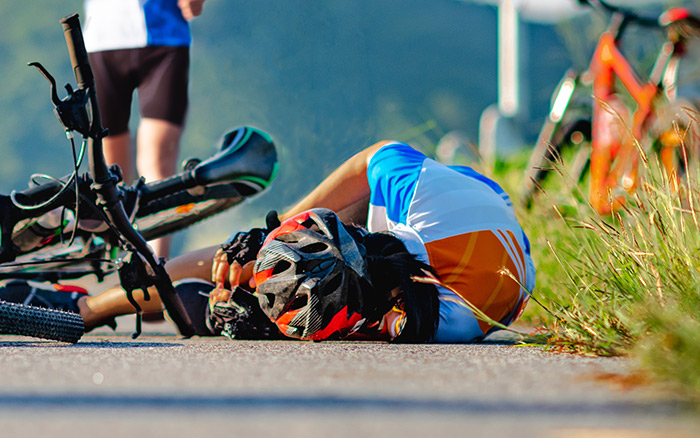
x=77 y=51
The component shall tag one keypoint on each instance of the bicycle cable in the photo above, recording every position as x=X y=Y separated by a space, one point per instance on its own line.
x=18 y=204
x=77 y=161
x=76 y=166
x=115 y=263
x=99 y=266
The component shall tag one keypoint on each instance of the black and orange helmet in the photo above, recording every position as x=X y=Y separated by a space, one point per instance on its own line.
x=311 y=277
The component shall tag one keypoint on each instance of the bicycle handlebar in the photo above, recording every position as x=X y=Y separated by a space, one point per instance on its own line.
x=86 y=82
x=77 y=52
x=627 y=14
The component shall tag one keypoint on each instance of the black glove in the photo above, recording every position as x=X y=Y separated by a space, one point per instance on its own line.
x=241 y=318
x=245 y=245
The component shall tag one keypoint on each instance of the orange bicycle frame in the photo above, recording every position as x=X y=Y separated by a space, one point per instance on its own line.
x=607 y=66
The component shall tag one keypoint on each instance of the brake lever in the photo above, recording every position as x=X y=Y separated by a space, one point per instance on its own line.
x=133 y=275
x=72 y=110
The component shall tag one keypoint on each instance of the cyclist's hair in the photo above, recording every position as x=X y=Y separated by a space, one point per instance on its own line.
x=390 y=265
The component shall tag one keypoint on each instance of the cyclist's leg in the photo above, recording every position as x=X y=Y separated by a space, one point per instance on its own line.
x=100 y=309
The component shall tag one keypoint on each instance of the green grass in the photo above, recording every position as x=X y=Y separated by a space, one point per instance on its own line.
x=625 y=284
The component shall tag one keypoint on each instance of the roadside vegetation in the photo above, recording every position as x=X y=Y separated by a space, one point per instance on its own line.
x=624 y=284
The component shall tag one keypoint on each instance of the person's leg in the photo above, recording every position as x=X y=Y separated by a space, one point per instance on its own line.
x=156 y=158
x=117 y=150
x=115 y=84
x=99 y=309
x=157 y=148
x=162 y=94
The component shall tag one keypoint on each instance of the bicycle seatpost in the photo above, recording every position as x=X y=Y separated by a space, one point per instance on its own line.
x=105 y=182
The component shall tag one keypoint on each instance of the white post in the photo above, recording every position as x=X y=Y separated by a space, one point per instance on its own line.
x=508 y=60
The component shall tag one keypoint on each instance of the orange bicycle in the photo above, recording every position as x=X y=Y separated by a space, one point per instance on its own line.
x=660 y=121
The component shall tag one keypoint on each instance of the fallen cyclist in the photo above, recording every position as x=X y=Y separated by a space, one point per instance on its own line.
x=442 y=259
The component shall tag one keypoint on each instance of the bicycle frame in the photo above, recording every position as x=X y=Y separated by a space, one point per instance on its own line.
x=609 y=64
x=608 y=68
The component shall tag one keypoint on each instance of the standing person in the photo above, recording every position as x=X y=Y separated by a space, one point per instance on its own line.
x=144 y=46
x=444 y=258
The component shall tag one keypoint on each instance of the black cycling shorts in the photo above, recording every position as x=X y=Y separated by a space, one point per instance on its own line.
x=160 y=74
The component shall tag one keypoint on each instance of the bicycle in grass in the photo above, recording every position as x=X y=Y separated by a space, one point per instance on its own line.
x=92 y=224
x=610 y=138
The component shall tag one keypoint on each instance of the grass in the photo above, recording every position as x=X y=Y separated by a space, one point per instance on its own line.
x=624 y=284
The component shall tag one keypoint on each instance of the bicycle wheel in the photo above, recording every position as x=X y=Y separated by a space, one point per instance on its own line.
x=38 y=322
x=58 y=262
x=553 y=140
x=180 y=210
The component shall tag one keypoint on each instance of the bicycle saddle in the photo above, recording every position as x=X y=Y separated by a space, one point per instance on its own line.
x=682 y=22
x=246 y=156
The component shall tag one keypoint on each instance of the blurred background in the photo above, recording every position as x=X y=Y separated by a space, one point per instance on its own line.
x=324 y=79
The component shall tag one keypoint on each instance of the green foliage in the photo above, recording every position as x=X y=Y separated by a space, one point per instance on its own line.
x=628 y=283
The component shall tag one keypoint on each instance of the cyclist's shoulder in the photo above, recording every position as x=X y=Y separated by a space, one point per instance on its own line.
x=396 y=148
x=392 y=154
x=400 y=158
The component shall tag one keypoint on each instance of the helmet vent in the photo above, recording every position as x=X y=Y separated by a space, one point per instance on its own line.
x=280 y=267
x=314 y=248
x=299 y=302
x=287 y=238
x=270 y=300
x=333 y=285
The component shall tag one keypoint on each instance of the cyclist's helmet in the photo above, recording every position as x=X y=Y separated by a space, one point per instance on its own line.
x=312 y=280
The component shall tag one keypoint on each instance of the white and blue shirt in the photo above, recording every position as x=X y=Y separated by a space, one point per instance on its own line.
x=463 y=225
x=129 y=24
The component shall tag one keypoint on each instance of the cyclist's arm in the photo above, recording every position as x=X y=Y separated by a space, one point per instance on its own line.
x=345 y=191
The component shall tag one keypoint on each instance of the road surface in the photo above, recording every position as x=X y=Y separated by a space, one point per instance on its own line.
x=109 y=385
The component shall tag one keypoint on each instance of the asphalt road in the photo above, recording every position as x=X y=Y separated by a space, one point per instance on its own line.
x=109 y=385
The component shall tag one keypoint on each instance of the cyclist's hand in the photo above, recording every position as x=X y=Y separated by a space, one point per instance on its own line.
x=235 y=312
x=240 y=317
x=220 y=268
x=220 y=296
x=244 y=246
x=223 y=273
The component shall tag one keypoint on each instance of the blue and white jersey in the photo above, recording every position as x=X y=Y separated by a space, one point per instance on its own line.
x=463 y=225
x=130 y=24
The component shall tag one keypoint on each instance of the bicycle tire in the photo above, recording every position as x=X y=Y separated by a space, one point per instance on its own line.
x=159 y=217
x=180 y=210
x=39 y=322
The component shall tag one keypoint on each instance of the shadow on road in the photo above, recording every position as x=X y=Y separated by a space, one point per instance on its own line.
x=96 y=344
x=329 y=404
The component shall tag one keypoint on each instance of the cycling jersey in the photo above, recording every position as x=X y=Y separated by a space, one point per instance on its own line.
x=130 y=24
x=464 y=226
